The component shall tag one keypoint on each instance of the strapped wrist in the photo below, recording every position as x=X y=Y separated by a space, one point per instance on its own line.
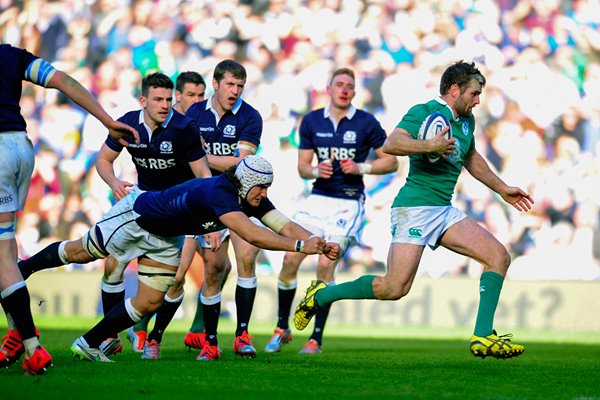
x=364 y=168
x=315 y=172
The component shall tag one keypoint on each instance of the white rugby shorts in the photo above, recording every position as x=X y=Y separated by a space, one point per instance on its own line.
x=119 y=235
x=423 y=225
x=331 y=218
x=16 y=166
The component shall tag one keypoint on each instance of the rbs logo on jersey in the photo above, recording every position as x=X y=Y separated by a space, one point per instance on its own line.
x=154 y=163
x=220 y=149
x=337 y=153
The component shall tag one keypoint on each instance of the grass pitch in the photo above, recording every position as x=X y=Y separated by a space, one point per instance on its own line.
x=352 y=366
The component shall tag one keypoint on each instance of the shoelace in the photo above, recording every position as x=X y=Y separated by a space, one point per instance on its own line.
x=153 y=349
x=507 y=337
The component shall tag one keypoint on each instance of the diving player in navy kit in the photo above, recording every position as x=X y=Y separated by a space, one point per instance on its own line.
x=340 y=137
x=231 y=130
x=16 y=167
x=169 y=152
x=150 y=226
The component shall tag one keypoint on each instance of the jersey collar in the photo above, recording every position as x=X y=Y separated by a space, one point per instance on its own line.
x=443 y=102
x=164 y=124
x=234 y=110
x=349 y=115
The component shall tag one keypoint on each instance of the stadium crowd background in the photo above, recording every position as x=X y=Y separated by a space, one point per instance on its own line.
x=538 y=122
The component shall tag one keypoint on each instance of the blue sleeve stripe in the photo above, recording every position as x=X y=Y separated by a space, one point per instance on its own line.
x=39 y=72
x=48 y=71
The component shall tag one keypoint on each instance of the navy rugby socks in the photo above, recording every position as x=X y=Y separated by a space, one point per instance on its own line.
x=44 y=259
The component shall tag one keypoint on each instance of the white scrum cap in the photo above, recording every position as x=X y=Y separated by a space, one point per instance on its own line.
x=253 y=171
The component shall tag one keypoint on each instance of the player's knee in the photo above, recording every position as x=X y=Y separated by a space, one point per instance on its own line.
x=387 y=290
x=114 y=274
x=148 y=307
x=291 y=262
x=398 y=293
x=504 y=261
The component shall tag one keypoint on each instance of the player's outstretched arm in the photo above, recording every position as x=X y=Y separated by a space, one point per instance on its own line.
x=80 y=95
x=265 y=238
x=480 y=170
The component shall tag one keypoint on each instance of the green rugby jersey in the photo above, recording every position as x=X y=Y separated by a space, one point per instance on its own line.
x=432 y=184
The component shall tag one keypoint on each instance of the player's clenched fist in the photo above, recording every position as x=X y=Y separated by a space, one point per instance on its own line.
x=313 y=245
x=332 y=251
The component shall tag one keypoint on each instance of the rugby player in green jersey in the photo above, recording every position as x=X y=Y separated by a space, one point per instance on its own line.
x=422 y=213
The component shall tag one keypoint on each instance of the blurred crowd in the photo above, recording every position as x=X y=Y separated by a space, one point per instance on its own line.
x=538 y=122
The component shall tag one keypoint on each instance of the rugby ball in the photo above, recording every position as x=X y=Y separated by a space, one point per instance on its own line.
x=431 y=126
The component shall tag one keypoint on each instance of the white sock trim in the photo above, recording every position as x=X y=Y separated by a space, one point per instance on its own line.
x=210 y=300
x=12 y=288
x=62 y=253
x=134 y=314
x=176 y=300
x=287 y=285
x=247 y=283
x=110 y=288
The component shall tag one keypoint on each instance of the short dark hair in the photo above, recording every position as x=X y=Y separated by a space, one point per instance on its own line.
x=156 y=80
x=342 y=71
x=188 y=77
x=233 y=67
x=460 y=73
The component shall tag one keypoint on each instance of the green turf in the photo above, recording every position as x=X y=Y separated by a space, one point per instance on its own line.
x=351 y=367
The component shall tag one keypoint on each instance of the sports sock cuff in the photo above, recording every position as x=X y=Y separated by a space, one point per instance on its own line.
x=367 y=286
x=492 y=277
x=210 y=300
x=175 y=300
x=134 y=314
x=287 y=285
x=62 y=254
x=112 y=287
x=12 y=288
x=247 y=283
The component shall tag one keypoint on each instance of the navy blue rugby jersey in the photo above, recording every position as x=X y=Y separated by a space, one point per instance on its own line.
x=13 y=65
x=221 y=137
x=163 y=161
x=193 y=207
x=356 y=134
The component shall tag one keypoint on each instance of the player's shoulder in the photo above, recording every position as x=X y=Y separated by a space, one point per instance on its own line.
x=315 y=115
x=248 y=110
x=16 y=56
x=131 y=118
x=7 y=49
x=181 y=122
x=364 y=115
x=423 y=110
x=219 y=188
x=196 y=108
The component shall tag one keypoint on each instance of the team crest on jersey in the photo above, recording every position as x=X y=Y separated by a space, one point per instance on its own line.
x=229 y=131
x=341 y=223
x=166 y=147
x=350 y=137
x=465 y=127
